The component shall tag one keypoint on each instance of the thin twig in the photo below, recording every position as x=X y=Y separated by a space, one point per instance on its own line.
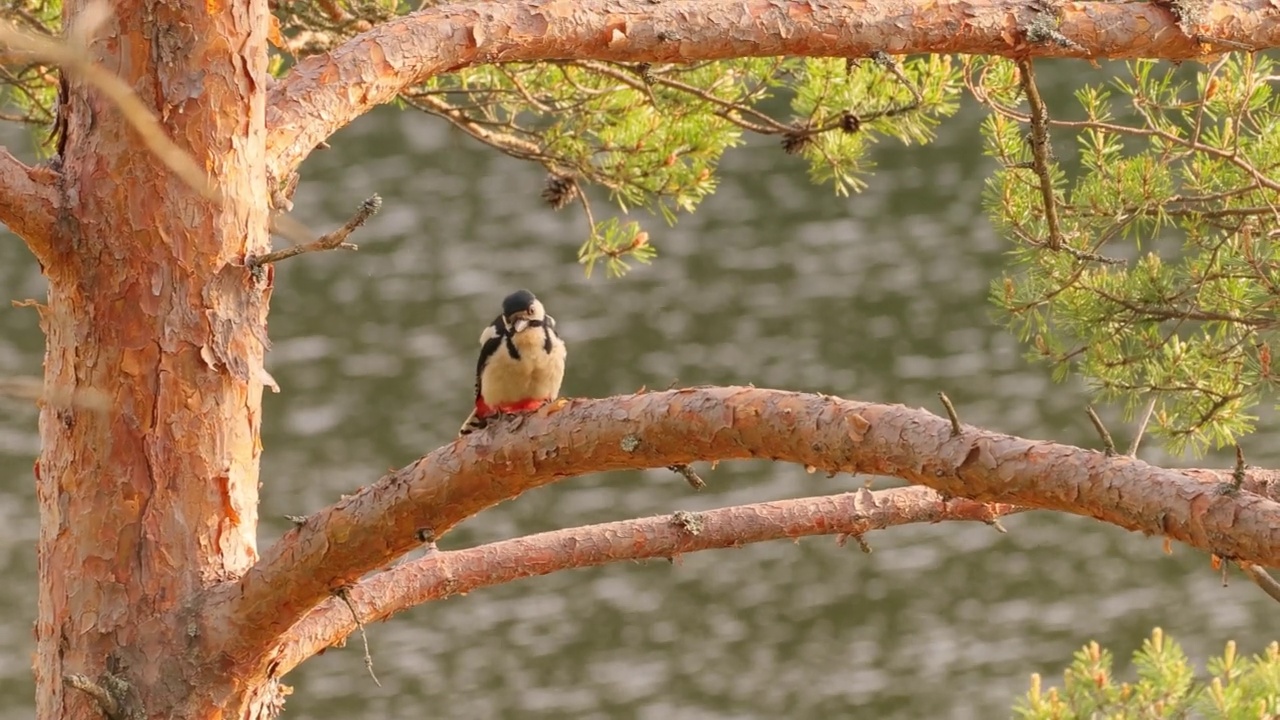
x=956 y=430
x=31 y=388
x=1108 y=445
x=106 y=701
x=292 y=230
x=1261 y=578
x=843 y=539
x=368 y=659
x=22 y=387
x=1142 y=426
x=1229 y=156
x=1237 y=476
x=73 y=57
x=328 y=241
x=687 y=471
x=1224 y=42
x=1040 y=150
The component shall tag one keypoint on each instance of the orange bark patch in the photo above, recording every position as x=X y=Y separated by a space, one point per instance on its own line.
x=273 y=33
x=228 y=507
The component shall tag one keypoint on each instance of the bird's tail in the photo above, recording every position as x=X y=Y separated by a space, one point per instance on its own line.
x=473 y=423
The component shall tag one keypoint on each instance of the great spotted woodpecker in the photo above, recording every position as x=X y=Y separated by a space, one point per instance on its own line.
x=521 y=361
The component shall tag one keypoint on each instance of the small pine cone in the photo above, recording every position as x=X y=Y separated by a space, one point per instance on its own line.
x=560 y=190
x=850 y=122
x=794 y=143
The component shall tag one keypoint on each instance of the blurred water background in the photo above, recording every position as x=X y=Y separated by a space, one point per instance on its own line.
x=776 y=282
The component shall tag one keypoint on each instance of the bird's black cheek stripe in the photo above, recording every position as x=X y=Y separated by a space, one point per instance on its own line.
x=512 y=350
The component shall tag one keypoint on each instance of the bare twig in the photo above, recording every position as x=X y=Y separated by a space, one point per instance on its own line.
x=1237 y=475
x=107 y=702
x=22 y=387
x=688 y=473
x=1041 y=150
x=843 y=539
x=31 y=388
x=73 y=57
x=1142 y=426
x=1229 y=44
x=328 y=241
x=956 y=430
x=1262 y=578
x=368 y=659
x=1108 y=445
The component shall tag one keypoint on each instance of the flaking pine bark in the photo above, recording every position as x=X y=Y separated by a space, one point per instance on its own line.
x=153 y=600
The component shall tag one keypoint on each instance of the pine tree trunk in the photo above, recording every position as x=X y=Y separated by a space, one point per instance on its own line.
x=148 y=474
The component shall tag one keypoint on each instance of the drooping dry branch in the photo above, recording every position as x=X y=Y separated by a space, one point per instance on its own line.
x=325 y=92
x=443 y=574
x=72 y=57
x=383 y=521
x=28 y=204
x=106 y=702
x=1259 y=576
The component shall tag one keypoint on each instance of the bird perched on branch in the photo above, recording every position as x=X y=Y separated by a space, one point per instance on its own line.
x=521 y=361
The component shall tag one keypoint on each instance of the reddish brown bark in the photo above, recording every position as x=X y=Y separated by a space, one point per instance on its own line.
x=379 y=523
x=325 y=92
x=441 y=575
x=150 y=500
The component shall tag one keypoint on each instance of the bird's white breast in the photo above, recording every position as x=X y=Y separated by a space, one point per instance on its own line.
x=537 y=374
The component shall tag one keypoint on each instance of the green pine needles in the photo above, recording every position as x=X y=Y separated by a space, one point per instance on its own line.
x=652 y=135
x=1152 y=272
x=1235 y=688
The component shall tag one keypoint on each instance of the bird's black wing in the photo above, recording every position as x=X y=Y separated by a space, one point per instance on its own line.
x=548 y=332
x=490 y=341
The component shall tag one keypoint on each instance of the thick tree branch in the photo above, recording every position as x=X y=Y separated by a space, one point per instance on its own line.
x=29 y=204
x=365 y=531
x=325 y=92
x=443 y=574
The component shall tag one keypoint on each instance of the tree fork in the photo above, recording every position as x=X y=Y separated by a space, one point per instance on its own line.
x=439 y=575
x=382 y=521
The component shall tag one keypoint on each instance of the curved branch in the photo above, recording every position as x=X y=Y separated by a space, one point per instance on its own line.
x=325 y=92
x=380 y=522
x=29 y=204
x=443 y=574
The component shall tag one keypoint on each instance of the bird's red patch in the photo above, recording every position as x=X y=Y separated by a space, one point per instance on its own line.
x=484 y=410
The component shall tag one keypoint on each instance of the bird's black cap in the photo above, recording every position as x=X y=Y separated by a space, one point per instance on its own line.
x=517 y=301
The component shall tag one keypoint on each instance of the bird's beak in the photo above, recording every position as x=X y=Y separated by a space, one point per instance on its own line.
x=519 y=325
